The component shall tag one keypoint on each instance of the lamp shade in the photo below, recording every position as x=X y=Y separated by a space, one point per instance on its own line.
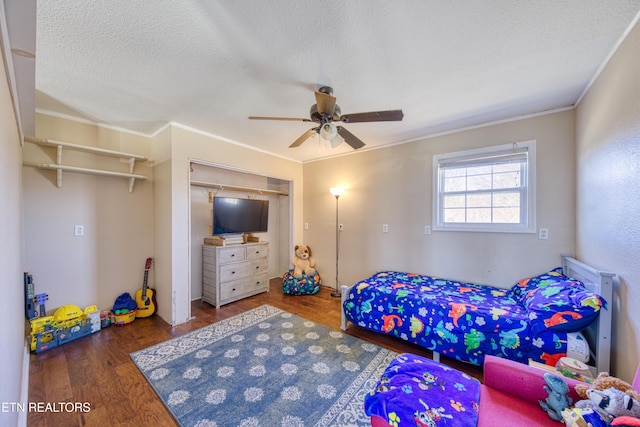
x=336 y=191
x=328 y=131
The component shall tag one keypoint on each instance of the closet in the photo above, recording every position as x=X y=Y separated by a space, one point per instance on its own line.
x=209 y=180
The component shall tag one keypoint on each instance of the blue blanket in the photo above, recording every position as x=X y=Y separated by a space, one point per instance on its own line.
x=415 y=391
x=466 y=321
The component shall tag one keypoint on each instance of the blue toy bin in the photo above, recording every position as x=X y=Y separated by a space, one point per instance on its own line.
x=306 y=285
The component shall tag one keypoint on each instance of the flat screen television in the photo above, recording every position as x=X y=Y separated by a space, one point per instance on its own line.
x=233 y=215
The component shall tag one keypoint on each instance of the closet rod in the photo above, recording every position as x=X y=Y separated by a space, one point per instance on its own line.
x=236 y=188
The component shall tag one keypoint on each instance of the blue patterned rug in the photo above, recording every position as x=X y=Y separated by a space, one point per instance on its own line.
x=265 y=367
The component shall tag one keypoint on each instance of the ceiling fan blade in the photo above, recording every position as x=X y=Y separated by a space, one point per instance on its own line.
x=326 y=103
x=279 y=118
x=373 y=116
x=350 y=138
x=304 y=137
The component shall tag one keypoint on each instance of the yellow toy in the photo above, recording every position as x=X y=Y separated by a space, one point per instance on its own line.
x=68 y=323
x=42 y=327
x=67 y=313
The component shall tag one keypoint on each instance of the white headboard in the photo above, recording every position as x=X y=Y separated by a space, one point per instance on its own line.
x=598 y=334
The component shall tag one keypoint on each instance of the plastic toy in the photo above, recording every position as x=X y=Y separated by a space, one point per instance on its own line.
x=68 y=323
x=557 y=400
x=124 y=309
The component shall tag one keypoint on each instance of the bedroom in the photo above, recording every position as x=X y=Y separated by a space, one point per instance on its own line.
x=590 y=212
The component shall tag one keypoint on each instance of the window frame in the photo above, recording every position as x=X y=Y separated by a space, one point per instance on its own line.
x=527 y=222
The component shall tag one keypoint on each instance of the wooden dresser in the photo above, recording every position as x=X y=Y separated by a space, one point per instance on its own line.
x=233 y=272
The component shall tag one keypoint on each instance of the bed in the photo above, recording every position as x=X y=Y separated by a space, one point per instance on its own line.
x=561 y=312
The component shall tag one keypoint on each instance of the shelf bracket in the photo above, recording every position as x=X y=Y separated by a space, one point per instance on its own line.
x=59 y=161
x=132 y=180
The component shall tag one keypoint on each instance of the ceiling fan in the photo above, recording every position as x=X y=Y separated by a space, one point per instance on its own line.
x=325 y=111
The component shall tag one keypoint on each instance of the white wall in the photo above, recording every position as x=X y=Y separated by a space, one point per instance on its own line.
x=118 y=226
x=394 y=186
x=162 y=218
x=200 y=223
x=12 y=317
x=608 y=206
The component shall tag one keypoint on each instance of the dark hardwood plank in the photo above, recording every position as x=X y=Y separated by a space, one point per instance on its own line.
x=98 y=370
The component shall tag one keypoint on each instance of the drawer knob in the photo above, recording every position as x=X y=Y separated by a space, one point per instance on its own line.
x=233 y=289
x=232 y=255
x=257 y=267
x=233 y=272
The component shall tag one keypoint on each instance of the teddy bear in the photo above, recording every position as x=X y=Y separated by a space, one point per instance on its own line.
x=604 y=381
x=302 y=262
x=557 y=400
x=610 y=403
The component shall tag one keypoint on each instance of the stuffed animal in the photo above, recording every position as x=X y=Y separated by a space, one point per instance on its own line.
x=302 y=262
x=603 y=382
x=557 y=400
x=610 y=403
x=625 y=421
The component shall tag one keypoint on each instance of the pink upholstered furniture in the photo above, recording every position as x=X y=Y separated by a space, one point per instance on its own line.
x=510 y=393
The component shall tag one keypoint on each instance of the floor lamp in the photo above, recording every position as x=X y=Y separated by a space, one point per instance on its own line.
x=337 y=192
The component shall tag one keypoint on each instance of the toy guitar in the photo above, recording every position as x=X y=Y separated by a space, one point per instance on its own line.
x=145 y=297
x=40 y=300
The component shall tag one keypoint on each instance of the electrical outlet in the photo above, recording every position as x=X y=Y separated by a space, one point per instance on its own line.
x=385 y=228
x=543 y=234
x=427 y=229
x=306 y=225
x=78 y=230
x=340 y=227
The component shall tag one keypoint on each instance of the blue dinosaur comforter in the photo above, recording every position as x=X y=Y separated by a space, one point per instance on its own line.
x=466 y=321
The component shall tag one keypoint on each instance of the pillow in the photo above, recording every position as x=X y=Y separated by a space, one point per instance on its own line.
x=524 y=286
x=562 y=306
x=625 y=421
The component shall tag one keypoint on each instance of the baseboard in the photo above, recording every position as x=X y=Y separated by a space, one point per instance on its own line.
x=24 y=388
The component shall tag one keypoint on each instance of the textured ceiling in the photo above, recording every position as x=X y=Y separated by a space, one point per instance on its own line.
x=209 y=64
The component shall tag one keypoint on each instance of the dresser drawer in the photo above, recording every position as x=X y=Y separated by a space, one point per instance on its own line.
x=231 y=254
x=256 y=252
x=244 y=269
x=236 y=289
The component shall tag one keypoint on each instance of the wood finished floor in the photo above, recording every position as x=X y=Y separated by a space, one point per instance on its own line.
x=97 y=369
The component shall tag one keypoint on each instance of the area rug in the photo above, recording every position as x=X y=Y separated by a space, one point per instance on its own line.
x=264 y=367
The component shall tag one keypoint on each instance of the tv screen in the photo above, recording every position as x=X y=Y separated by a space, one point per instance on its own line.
x=237 y=216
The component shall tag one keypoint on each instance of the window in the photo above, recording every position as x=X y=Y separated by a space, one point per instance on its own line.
x=488 y=189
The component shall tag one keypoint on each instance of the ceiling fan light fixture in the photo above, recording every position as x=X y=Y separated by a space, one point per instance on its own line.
x=325 y=111
x=328 y=131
